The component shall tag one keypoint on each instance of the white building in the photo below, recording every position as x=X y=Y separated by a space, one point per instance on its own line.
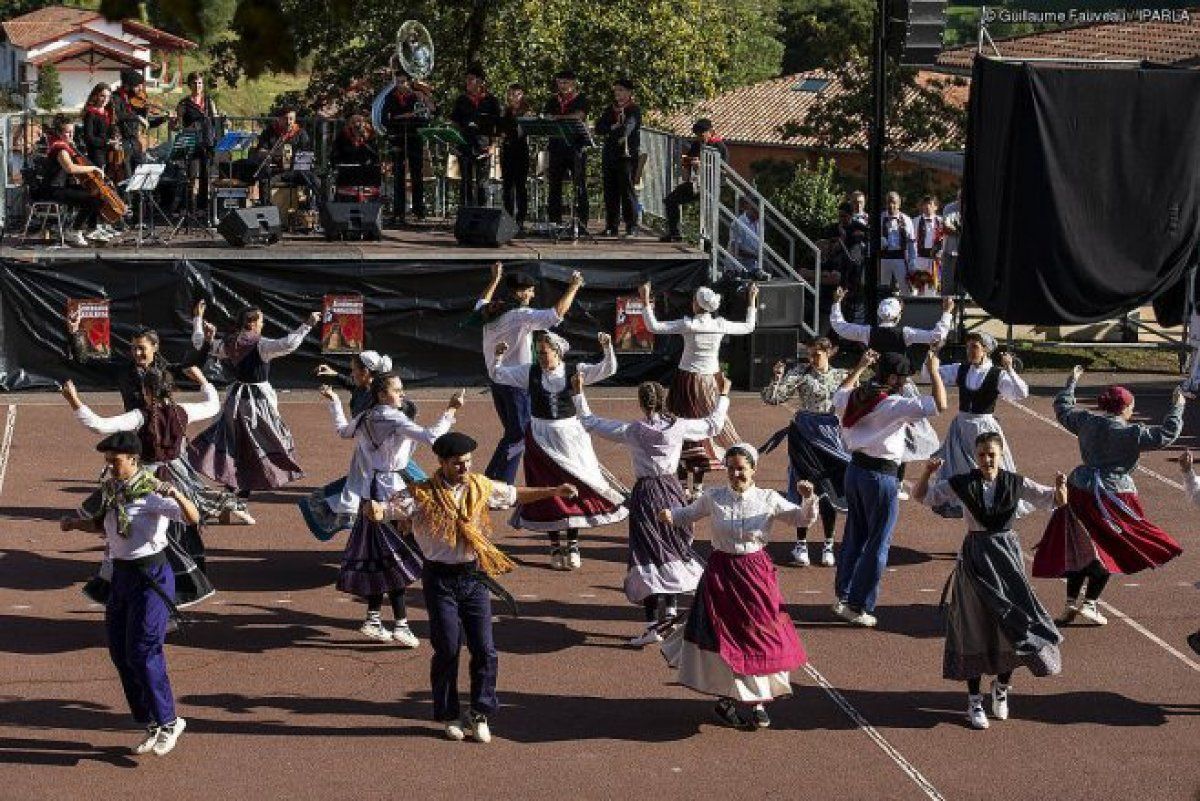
x=86 y=49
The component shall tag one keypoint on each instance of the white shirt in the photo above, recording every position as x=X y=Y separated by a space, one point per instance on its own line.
x=516 y=327
x=135 y=419
x=268 y=349
x=554 y=380
x=149 y=517
x=952 y=219
x=741 y=522
x=912 y=336
x=931 y=226
x=1039 y=496
x=1011 y=385
x=654 y=445
x=701 y=336
x=892 y=239
x=403 y=507
x=880 y=433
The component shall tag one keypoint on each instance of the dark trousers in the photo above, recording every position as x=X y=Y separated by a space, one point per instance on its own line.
x=620 y=200
x=563 y=163
x=472 y=170
x=514 y=169
x=87 y=208
x=136 y=620
x=512 y=407
x=674 y=202
x=873 y=507
x=197 y=169
x=1097 y=577
x=408 y=155
x=460 y=609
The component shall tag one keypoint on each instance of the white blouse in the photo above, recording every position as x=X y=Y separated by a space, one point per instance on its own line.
x=553 y=380
x=134 y=420
x=741 y=522
x=654 y=445
x=268 y=348
x=516 y=327
x=402 y=507
x=702 y=335
x=1011 y=385
x=1039 y=496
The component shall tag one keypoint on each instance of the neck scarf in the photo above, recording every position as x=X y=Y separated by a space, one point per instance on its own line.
x=117 y=494
x=862 y=402
x=450 y=519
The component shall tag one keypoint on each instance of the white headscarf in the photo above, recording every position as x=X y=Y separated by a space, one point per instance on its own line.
x=707 y=299
x=374 y=362
x=558 y=343
x=746 y=449
x=889 y=310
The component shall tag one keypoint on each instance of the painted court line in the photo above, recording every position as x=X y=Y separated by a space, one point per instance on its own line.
x=865 y=726
x=10 y=426
x=1138 y=627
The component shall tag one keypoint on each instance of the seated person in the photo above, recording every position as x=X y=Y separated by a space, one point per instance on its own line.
x=356 y=161
x=743 y=259
x=59 y=183
x=270 y=164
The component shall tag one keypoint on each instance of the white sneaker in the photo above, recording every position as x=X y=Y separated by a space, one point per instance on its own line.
x=147 y=743
x=1089 y=612
x=827 y=559
x=455 y=730
x=477 y=727
x=800 y=554
x=558 y=561
x=404 y=635
x=1000 y=700
x=375 y=630
x=864 y=619
x=648 y=637
x=902 y=493
x=975 y=714
x=574 y=560
x=167 y=735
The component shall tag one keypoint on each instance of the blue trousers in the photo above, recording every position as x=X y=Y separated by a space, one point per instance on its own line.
x=512 y=406
x=136 y=620
x=873 y=508
x=459 y=608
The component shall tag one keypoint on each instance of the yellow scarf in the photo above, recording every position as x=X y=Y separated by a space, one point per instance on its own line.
x=469 y=520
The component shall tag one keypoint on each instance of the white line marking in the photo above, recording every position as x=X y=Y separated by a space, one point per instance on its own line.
x=926 y=589
x=879 y=740
x=587 y=595
x=10 y=426
x=1138 y=627
x=1133 y=584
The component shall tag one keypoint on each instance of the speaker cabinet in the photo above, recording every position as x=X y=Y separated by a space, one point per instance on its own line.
x=476 y=226
x=352 y=221
x=751 y=358
x=255 y=226
x=780 y=303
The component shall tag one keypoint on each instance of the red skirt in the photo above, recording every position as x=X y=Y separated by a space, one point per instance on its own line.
x=1111 y=528
x=585 y=510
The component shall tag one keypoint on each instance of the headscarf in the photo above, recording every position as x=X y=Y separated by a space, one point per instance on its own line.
x=707 y=299
x=558 y=343
x=889 y=311
x=745 y=449
x=1114 y=399
x=985 y=339
x=374 y=362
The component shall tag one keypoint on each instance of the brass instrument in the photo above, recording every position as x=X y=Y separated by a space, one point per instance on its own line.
x=620 y=123
x=286 y=155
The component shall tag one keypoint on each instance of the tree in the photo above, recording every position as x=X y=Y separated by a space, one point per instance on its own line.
x=810 y=197
x=822 y=33
x=49 y=91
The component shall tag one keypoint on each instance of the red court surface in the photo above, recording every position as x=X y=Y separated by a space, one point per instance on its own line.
x=284 y=698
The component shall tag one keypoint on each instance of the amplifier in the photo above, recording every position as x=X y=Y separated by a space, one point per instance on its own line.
x=227 y=198
x=751 y=358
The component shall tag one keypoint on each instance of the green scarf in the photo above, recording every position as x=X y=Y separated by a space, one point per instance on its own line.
x=117 y=494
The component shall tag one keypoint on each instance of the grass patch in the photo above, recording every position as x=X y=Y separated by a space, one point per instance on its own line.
x=1059 y=358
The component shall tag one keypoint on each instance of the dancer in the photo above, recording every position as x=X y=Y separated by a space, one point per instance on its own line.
x=661 y=562
x=378 y=560
x=1102 y=530
x=449 y=517
x=693 y=392
x=363 y=367
x=814 y=439
x=995 y=622
x=161 y=428
x=874 y=418
x=134 y=517
x=1191 y=484
x=249 y=447
x=513 y=321
x=738 y=642
x=980 y=384
x=559 y=450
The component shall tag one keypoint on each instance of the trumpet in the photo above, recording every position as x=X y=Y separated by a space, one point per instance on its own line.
x=620 y=123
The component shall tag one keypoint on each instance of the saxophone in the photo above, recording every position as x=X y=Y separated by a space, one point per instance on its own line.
x=620 y=123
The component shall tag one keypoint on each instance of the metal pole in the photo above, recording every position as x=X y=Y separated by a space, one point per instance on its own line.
x=875 y=149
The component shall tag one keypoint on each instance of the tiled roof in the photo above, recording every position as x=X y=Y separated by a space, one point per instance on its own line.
x=52 y=22
x=1176 y=43
x=60 y=54
x=753 y=114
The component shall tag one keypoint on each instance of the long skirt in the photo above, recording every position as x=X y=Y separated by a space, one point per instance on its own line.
x=695 y=395
x=661 y=560
x=213 y=503
x=248 y=447
x=994 y=621
x=816 y=454
x=557 y=452
x=920 y=440
x=320 y=507
x=738 y=641
x=378 y=559
x=958 y=453
x=1098 y=524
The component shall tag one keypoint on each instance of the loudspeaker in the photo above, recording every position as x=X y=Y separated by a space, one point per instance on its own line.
x=752 y=357
x=256 y=226
x=482 y=227
x=352 y=220
x=920 y=312
x=914 y=31
x=780 y=303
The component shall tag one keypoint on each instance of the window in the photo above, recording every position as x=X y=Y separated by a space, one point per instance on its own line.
x=811 y=85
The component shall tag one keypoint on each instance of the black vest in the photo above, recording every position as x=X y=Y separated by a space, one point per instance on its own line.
x=252 y=369
x=887 y=339
x=982 y=400
x=999 y=516
x=546 y=405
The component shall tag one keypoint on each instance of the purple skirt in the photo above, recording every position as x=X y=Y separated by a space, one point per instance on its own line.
x=378 y=559
x=661 y=559
x=248 y=447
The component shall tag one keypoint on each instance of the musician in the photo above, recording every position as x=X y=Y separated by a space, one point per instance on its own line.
x=61 y=166
x=514 y=156
x=686 y=192
x=99 y=125
x=567 y=156
x=620 y=128
x=197 y=112
x=277 y=146
x=476 y=113
x=134 y=116
x=406 y=110
x=355 y=157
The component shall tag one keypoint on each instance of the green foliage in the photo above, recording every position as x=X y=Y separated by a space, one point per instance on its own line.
x=809 y=197
x=49 y=92
x=822 y=33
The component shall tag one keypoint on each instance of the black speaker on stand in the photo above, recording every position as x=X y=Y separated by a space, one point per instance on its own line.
x=477 y=226
x=352 y=221
x=254 y=226
x=752 y=357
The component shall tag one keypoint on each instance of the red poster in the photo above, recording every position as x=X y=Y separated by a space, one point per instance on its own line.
x=94 y=330
x=629 y=333
x=342 y=329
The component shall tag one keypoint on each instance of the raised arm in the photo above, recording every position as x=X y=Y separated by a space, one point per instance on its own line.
x=1012 y=386
x=599 y=371
x=515 y=376
x=802 y=515
x=397 y=423
x=129 y=421
x=652 y=323
x=783 y=385
x=207 y=408
x=274 y=348
x=698 y=429
x=608 y=429
x=1152 y=438
x=343 y=428
x=493 y=285
x=931 y=494
x=851 y=331
x=939 y=332
x=937 y=386
x=568 y=297
x=1068 y=416
x=694 y=511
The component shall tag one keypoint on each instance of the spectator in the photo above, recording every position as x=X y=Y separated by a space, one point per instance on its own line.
x=952 y=222
x=923 y=278
x=745 y=238
x=898 y=246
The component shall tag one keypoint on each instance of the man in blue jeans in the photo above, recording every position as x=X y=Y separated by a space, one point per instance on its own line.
x=873 y=418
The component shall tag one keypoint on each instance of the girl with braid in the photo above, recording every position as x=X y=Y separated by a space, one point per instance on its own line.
x=661 y=561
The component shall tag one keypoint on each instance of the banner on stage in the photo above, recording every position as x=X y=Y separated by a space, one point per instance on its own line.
x=94 y=328
x=342 y=328
x=630 y=334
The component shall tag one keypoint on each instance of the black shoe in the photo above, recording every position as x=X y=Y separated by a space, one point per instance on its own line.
x=243 y=494
x=760 y=717
x=727 y=713
x=671 y=238
x=760 y=275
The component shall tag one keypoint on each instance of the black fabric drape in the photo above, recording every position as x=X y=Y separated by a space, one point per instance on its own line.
x=1081 y=194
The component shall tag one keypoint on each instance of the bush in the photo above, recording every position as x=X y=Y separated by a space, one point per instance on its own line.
x=810 y=199
x=49 y=93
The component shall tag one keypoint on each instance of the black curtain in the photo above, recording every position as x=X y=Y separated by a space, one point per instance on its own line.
x=1081 y=193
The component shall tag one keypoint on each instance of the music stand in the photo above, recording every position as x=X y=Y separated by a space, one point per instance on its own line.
x=575 y=134
x=440 y=139
x=184 y=148
x=143 y=182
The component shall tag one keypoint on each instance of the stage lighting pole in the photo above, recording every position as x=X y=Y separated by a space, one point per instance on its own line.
x=875 y=148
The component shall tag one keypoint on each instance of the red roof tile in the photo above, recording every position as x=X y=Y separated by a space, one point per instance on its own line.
x=45 y=24
x=60 y=54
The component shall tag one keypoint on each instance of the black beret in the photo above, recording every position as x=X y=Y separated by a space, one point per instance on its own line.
x=702 y=125
x=447 y=446
x=624 y=83
x=893 y=364
x=132 y=78
x=520 y=281
x=121 y=442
